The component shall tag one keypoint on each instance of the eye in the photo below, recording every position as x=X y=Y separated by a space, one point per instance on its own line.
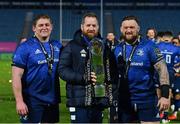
x=88 y=25
x=40 y=25
x=47 y=24
x=131 y=27
x=94 y=25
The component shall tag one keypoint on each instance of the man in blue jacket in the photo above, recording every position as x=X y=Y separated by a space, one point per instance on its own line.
x=73 y=69
x=34 y=74
x=137 y=58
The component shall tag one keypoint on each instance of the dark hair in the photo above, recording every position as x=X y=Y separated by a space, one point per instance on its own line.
x=41 y=16
x=155 y=32
x=131 y=17
x=90 y=14
x=176 y=38
x=152 y=29
x=168 y=33
x=160 y=34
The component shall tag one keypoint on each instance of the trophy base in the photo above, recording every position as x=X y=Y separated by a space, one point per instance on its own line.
x=99 y=90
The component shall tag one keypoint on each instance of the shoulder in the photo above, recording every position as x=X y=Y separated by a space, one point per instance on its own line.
x=144 y=41
x=56 y=43
x=120 y=44
x=176 y=48
x=67 y=46
x=31 y=42
x=72 y=43
x=148 y=44
x=118 y=48
x=26 y=44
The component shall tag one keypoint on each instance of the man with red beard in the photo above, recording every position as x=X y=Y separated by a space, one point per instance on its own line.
x=137 y=59
x=72 y=69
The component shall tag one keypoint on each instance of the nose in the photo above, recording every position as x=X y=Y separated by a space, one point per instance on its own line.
x=128 y=30
x=91 y=27
x=44 y=26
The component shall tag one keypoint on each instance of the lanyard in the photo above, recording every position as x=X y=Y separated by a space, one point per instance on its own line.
x=49 y=59
x=130 y=57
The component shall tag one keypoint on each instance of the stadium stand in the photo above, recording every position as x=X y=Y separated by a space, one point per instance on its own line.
x=162 y=15
x=11 y=23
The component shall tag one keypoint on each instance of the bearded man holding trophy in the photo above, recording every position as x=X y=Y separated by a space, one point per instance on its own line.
x=84 y=65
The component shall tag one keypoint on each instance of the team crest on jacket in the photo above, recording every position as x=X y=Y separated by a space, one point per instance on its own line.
x=140 y=52
x=83 y=53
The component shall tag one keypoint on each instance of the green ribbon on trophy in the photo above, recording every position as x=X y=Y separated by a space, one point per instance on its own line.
x=98 y=62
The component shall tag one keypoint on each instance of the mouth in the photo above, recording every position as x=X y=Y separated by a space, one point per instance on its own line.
x=92 y=32
x=128 y=33
x=44 y=31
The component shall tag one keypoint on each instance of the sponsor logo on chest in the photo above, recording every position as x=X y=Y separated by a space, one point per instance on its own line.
x=38 y=51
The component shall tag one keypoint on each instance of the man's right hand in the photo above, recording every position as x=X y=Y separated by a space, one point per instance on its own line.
x=21 y=108
x=163 y=104
x=93 y=78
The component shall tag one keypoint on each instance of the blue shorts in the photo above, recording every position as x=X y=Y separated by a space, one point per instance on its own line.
x=41 y=114
x=147 y=113
x=85 y=115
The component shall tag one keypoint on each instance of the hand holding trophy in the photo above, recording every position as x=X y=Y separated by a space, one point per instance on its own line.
x=93 y=78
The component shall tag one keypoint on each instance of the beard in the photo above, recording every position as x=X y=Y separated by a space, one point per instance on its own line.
x=130 y=39
x=90 y=35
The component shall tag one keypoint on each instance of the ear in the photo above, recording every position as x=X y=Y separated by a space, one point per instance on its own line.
x=98 y=27
x=33 y=28
x=52 y=26
x=81 y=27
x=121 y=29
x=138 y=28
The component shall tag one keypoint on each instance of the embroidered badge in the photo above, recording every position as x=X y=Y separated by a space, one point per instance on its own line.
x=140 y=52
x=83 y=53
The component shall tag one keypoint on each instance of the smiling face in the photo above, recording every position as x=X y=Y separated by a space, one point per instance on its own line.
x=90 y=27
x=130 y=30
x=43 y=29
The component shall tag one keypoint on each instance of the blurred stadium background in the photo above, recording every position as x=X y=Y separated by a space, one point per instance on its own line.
x=16 y=18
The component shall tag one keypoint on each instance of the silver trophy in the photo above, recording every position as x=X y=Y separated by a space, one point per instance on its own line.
x=97 y=66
